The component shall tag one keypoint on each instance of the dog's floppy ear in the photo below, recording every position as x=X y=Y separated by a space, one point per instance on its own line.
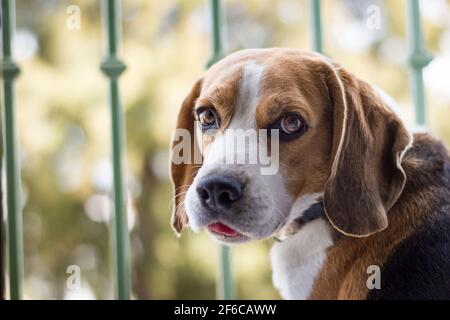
x=369 y=141
x=183 y=166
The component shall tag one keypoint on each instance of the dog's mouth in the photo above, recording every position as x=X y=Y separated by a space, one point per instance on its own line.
x=222 y=229
x=225 y=233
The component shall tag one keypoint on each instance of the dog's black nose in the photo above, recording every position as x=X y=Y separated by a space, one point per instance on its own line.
x=219 y=192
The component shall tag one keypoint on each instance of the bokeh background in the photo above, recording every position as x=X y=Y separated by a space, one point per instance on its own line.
x=64 y=130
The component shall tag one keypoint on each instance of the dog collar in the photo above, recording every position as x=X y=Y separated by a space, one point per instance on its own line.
x=314 y=212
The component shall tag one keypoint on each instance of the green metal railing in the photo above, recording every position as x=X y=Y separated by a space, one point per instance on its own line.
x=9 y=72
x=418 y=60
x=112 y=67
x=315 y=25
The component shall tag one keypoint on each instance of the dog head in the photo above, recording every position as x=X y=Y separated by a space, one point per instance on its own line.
x=327 y=133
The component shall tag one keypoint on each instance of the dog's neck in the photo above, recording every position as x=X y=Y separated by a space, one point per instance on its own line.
x=300 y=249
x=315 y=211
x=298 y=258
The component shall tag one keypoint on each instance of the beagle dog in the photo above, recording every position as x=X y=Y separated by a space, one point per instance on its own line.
x=359 y=207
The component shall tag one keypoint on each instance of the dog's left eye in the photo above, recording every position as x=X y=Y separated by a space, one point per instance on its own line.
x=208 y=118
x=291 y=125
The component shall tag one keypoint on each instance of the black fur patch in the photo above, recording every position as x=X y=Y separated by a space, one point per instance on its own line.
x=420 y=267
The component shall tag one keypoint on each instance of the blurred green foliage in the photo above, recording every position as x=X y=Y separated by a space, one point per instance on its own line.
x=63 y=125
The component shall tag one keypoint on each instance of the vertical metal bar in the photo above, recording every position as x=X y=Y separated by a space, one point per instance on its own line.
x=316 y=25
x=225 y=288
x=216 y=32
x=9 y=72
x=418 y=60
x=112 y=67
x=2 y=248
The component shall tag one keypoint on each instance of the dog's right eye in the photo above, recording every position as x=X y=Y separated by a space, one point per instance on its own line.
x=207 y=117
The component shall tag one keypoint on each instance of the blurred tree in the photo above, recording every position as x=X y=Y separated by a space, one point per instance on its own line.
x=146 y=231
x=63 y=126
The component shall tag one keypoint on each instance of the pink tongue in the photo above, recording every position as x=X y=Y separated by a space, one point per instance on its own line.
x=222 y=229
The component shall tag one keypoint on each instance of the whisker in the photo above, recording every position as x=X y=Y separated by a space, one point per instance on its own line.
x=173 y=199
x=195 y=172
x=183 y=186
x=181 y=205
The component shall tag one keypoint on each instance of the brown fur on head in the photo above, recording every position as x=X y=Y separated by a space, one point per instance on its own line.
x=351 y=151
x=183 y=173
